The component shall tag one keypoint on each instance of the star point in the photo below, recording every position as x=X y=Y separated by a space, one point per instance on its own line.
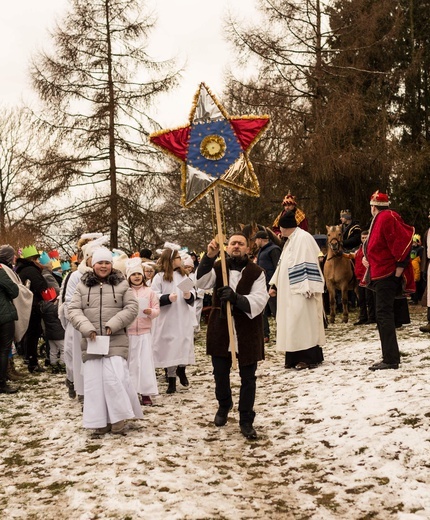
x=213 y=148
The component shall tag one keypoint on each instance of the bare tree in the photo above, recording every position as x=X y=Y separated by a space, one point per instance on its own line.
x=23 y=196
x=326 y=74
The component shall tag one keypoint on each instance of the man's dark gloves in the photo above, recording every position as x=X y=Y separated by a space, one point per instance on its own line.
x=226 y=293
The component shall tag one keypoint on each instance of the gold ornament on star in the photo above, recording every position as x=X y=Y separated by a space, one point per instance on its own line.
x=213 y=147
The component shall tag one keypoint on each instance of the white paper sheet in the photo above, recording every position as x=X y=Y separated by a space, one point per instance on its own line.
x=143 y=304
x=186 y=285
x=99 y=346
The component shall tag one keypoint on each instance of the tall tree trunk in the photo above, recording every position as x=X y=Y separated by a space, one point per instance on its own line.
x=112 y=160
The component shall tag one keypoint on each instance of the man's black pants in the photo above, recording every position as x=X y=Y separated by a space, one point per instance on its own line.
x=222 y=366
x=385 y=292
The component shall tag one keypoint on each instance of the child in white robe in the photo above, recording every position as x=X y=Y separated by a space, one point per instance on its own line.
x=173 y=333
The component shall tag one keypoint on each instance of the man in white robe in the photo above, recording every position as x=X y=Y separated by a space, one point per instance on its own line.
x=298 y=284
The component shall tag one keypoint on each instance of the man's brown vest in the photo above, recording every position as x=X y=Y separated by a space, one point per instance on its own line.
x=249 y=332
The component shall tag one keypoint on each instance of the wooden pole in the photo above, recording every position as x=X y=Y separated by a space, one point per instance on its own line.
x=220 y=240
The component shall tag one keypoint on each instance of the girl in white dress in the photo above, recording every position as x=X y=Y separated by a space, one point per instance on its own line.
x=173 y=333
x=140 y=356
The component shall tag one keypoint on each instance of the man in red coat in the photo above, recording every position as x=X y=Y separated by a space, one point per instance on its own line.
x=389 y=272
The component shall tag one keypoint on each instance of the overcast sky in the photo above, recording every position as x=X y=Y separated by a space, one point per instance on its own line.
x=189 y=29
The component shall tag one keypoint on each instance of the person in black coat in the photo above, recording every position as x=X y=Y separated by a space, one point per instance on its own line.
x=53 y=332
x=30 y=272
x=8 y=291
x=351 y=231
x=268 y=258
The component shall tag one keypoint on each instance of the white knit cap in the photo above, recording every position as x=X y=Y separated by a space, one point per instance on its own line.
x=133 y=265
x=102 y=254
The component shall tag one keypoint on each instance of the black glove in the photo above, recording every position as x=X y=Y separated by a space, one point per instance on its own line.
x=399 y=288
x=226 y=293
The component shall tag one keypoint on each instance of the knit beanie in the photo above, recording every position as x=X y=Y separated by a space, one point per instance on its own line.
x=133 y=265
x=288 y=220
x=7 y=254
x=102 y=254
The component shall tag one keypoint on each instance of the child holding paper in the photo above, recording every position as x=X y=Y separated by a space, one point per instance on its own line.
x=140 y=356
x=102 y=306
x=173 y=336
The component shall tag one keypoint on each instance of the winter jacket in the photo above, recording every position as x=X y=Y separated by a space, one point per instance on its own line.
x=50 y=279
x=268 y=258
x=8 y=291
x=29 y=271
x=142 y=325
x=97 y=304
x=51 y=323
x=388 y=246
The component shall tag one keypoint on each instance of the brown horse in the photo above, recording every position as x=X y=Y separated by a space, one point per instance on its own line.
x=249 y=231
x=338 y=272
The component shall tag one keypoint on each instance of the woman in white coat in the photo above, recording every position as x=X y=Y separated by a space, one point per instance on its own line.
x=102 y=307
x=87 y=244
x=173 y=330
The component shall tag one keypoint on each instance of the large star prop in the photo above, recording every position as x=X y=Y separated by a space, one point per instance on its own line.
x=213 y=148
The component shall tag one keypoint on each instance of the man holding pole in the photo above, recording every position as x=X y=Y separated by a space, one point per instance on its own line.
x=247 y=296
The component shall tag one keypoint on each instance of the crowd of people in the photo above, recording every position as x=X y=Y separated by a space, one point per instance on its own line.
x=109 y=321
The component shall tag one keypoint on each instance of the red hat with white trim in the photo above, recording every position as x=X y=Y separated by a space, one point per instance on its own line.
x=379 y=199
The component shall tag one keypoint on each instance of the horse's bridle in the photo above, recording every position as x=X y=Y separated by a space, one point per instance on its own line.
x=336 y=246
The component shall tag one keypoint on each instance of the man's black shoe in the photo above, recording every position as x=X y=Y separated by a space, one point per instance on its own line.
x=384 y=366
x=5 y=388
x=360 y=322
x=248 y=431
x=221 y=416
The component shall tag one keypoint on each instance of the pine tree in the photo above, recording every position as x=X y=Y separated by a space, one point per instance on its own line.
x=97 y=86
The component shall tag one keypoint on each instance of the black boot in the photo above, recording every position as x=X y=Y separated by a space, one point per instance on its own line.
x=180 y=372
x=171 y=389
x=425 y=328
x=5 y=388
x=222 y=415
x=71 y=388
x=35 y=368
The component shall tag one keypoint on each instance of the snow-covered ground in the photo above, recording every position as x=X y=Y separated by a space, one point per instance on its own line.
x=339 y=441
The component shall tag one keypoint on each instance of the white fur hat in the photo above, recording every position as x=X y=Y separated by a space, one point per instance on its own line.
x=102 y=254
x=119 y=260
x=188 y=261
x=89 y=248
x=133 y=265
